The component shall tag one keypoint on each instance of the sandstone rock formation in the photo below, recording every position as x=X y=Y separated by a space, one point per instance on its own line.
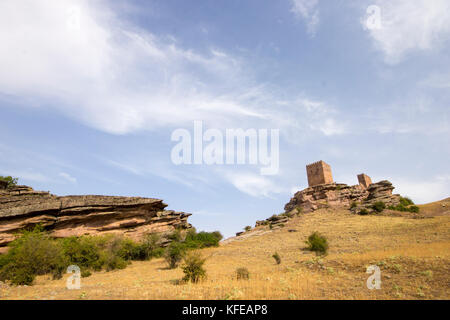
x=342 y=195
x=22 y=207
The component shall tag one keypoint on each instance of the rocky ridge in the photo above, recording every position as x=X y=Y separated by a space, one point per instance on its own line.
x=342 y=195
x=22 y=207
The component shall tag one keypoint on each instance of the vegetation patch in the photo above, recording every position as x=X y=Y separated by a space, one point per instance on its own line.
x=11 y=182
x=242 y=274
x=277 y=258
x=34 y=253
x=317 y=243
x=193 y=267
x=405 y=205
x=379 y=206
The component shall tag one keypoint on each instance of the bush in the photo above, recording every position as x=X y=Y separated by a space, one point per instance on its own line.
x=193 y=267
x=363 y=212
x=32 y=254
x=405 y=201
x=379 y=206
x=174 y=254
x=248 y=228
x=277 y=258
x=150 y=247
x=353 y=205
x=202 y=239
x=10 y=180
x=403 y=208
x=175 y=236
x=317 y=243
x=242 y=274
x=84 y=252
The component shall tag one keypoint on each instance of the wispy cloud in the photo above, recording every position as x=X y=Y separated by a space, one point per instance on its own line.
x=308 y=11
x=408 y=26
x=253 y=184
x=67 y=177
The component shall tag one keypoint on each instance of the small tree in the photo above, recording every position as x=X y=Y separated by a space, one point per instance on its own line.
x=277 y=258
x=317 y=243
x=248 y=228
x=150 y=246
x=193 y=267
x=174 y=254
x=9 y=180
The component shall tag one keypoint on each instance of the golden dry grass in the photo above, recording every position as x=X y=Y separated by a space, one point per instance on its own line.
x=413 y=255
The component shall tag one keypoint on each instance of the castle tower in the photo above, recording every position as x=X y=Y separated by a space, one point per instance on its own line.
x=364 y=180
x=319 y=173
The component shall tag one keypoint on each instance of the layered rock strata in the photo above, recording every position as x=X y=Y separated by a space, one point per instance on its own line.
x=21 y=207
x=342 y=195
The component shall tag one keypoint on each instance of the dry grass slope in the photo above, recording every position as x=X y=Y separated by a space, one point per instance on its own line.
x=413 y=254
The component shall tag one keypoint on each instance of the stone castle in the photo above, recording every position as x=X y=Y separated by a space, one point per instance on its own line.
x=320 y=173
x=323 y=192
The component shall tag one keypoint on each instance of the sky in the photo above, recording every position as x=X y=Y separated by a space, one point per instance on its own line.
x=91 y=92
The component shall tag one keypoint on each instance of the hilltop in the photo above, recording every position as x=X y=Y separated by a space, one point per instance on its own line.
x=412 y=252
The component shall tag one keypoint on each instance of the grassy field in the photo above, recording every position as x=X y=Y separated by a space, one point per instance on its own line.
x=412 y=253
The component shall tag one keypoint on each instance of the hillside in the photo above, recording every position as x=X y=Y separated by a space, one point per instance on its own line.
x=413 y=253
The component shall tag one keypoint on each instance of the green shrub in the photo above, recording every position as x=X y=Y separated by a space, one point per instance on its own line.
x=193 y=267
x=33 y=253
x=84 y=252
x=379 y=206
x=85 y=273
x=405 y=201
x=150 y=247
x=202 y=239
x=317 y=243
x=242 y=274
x=403 y=208
x=277 y=258
x=175 y=235
x=363 y=212
x=248 y=228
x=10 y=180
x=174 y=254
x=353 y=205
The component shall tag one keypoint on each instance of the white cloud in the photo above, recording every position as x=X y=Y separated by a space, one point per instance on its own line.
x=308 y=11
x=98 y=69
x=108 y=74
x=408 y=26
x=67 y=177
x=253 y=184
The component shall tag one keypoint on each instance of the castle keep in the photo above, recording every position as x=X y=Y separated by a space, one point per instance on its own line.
x=319 y=173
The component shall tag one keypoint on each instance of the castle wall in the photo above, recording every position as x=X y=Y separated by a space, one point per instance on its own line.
x=364 y=180
x=319 y=173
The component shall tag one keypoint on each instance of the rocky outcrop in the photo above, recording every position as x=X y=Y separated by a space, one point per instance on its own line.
x=22 y=207
x=342 y=195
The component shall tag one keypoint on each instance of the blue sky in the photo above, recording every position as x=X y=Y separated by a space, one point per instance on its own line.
x=90 y=92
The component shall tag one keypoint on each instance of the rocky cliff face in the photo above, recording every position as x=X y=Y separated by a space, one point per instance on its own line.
x=342 y=195
x=22 y=207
